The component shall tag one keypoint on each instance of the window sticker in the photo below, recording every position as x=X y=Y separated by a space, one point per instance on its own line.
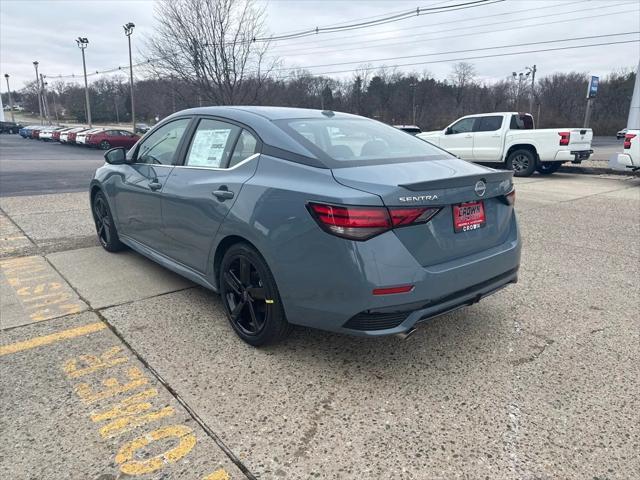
x=208 y=147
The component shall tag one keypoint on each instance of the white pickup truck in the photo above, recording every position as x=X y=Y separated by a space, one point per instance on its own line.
x=629 y=159
x=510 y=138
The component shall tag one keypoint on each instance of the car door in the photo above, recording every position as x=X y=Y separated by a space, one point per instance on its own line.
x=458 y=138
x=137 y=196
x=198 y=194
x=487 y=138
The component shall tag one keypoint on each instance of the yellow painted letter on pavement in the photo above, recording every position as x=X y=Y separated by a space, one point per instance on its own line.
x=113 y=387
x=125 y=415
x=92 y=363
x=183 y=434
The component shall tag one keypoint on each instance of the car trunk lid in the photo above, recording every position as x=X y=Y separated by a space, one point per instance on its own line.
x=444 y=184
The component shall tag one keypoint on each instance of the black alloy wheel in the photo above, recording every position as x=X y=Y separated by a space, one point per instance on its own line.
x=250 y=297
x=106 y=230
x=104 y=145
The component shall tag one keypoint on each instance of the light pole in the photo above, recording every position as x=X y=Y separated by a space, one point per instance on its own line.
x=532 y=71
x=13 y=118
x=82 y=44
x=529 y=71
x=128 y=30
x=35 y=64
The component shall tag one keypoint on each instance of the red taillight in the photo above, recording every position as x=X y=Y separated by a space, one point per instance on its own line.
x=627 y=139
x=362 y=223
x=392 y=290
x=564 y=137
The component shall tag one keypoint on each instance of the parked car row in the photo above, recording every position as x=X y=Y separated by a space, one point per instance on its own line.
x=103 y=138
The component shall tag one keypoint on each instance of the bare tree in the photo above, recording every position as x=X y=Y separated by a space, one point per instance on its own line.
x=214 y=46
x=462 y=77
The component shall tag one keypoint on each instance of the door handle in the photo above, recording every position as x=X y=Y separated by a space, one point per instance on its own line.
x=223 y=193
x=155 y=185
x=468 y=136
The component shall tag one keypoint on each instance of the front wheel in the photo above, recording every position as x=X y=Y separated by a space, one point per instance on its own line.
x=104 y=145
x=105 y=227
x=547 y=168
x=522 y=162
x=250 y=297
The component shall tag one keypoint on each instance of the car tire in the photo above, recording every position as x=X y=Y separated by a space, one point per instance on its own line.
x=522 y=162
x=547 y=168
x=104 y=145
x=105 y=226
x=250 y=297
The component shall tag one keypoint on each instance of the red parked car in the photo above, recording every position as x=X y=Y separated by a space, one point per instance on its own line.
x=55 y=135
x=71 y=137
x=112 y=138
x=35 y=134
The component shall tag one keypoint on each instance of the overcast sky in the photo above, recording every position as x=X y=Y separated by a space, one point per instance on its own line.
x=44 y=30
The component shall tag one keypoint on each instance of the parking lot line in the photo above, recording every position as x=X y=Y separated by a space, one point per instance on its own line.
x=52 y=338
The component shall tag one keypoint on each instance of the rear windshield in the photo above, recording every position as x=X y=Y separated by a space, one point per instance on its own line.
x=521 y=122
x=348 y=142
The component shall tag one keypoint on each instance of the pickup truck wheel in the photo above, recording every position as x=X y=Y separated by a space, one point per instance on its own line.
x=547 y=168
x=522 y=162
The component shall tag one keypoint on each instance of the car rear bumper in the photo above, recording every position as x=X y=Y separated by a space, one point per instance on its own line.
x=622 y=162
x=575 y=156
x=346 y=303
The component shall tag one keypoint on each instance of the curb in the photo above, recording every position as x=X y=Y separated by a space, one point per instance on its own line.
x=597 y=171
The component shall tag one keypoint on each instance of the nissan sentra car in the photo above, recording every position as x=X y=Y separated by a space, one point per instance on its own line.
x=307 y=217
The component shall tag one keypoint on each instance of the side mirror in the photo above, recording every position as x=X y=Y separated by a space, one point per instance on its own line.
x=116 y=156
x=448 y=131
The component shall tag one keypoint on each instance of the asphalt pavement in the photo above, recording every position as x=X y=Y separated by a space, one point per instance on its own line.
x=34 y=167
x=112 y=367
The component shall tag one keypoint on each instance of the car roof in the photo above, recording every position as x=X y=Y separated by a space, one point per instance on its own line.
x=263 y=121
x=270 y=113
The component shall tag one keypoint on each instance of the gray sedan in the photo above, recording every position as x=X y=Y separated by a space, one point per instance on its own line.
x=309 y=217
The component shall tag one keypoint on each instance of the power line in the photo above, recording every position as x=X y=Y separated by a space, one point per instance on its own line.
x=508 y=54
x=418 y=11
x=456 y=22
x=385 y=42
x=461 y=51
x=389 y=19
x=373 y=16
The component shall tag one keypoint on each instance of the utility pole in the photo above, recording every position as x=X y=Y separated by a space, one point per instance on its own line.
x=128 y=30
x=13 y=118
x=45 y=103
x=82 y=44
x=413 y=104
x=35 y=64
x=55 y=106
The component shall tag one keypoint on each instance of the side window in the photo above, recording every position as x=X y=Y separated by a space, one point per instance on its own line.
x=488 y=124
x=161 y=146
x=521 y=122
x=124 y=133
x=246 y=146
x=463 y=126
x=212 y=144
